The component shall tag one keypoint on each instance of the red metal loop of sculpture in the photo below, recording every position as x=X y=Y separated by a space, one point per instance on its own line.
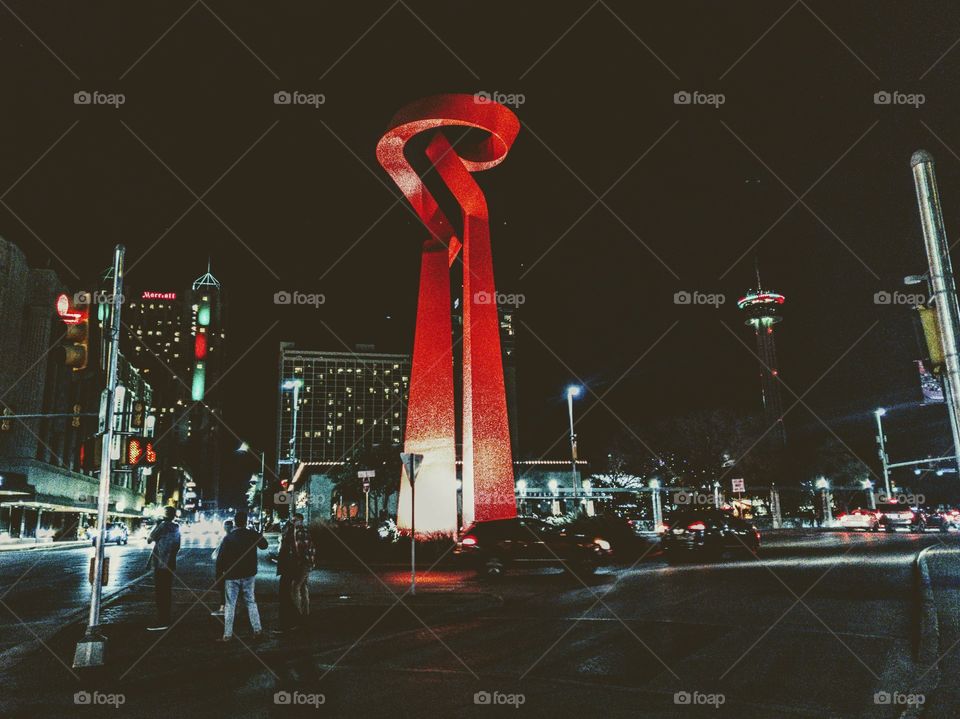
x=487 y=477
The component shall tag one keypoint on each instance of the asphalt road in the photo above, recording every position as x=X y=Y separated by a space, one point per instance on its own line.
x=822 y=626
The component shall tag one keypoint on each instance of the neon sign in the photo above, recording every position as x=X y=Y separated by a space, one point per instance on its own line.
x=158 y=296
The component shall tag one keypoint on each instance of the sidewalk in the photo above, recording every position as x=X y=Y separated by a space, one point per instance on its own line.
x=186 y=672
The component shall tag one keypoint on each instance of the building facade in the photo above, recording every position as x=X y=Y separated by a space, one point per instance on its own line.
x=333 y=404
x=178 y=338
x=48 y=468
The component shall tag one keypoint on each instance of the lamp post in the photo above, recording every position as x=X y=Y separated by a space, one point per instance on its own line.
x=882 y=441
x=244 y=447
x=824 y=486
x=554 y=498
x=657 y=509
x=868 y=485
x=295 y=385
x=573 y=391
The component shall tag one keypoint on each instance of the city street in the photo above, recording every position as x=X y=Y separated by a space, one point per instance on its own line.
x=816 y=628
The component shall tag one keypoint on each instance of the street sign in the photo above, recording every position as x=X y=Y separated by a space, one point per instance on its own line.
x=105 y=576
x=366 y=485
x=411 y=463
x=363 y=473
x=738 y=485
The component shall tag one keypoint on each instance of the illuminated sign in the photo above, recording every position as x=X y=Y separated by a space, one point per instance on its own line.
x=158 y=296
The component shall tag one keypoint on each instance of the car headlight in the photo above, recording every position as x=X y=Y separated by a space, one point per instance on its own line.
x=602 y=543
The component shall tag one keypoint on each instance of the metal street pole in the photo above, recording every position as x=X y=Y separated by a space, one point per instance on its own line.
x=412 y=463
x=944 y=296
x=883 y=452
x=90 y=649
x=775 y=507
x=657 y=508
x=571 y=391
x=263 y=482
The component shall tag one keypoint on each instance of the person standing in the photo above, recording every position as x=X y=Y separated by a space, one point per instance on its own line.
x=163 y=560
x=237 y=562
x=304 y=556
x=286 y=570
x=221 y=582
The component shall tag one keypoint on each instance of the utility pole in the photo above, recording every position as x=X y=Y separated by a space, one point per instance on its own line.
x=90 y=650
x=944 y=297
x=884 y=460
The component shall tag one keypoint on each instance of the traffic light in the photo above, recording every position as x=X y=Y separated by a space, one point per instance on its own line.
x=75 y=314
x=75 y=420
x=136 y=419
x=5 y=423
x=138 y=452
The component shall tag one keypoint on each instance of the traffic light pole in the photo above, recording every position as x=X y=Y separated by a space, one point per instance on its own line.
x=942 y=282
x=90 y=650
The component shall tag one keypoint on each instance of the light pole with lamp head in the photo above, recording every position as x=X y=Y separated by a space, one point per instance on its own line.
x=295 y=385
x=573 y=391
x=244 y=447
x=882 y=441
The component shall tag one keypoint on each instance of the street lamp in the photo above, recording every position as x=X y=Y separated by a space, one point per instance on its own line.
x=882 y=441
x=295 y=385
x=244 y=447
x=824 y=486
x=554 y=498
x=657 y=509
x=573 y=391
x=868 y=485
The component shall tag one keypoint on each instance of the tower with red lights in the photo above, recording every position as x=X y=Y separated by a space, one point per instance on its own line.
x=762 y=308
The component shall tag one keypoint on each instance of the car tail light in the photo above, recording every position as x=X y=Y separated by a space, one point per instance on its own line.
x=663 y=529
x=696 y=527
x=841 y=515
x=468 y=541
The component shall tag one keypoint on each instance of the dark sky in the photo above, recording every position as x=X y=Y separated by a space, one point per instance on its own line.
x=598 y=80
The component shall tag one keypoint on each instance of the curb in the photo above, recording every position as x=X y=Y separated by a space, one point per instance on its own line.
x=928 y=633
x=45 y=546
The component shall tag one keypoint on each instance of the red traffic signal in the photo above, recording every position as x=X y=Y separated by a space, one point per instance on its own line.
x=75 y=314
x=139 y=453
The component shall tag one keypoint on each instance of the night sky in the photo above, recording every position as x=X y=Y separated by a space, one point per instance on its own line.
x=699 y=193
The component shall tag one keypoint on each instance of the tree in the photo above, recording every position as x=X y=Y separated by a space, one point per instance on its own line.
x=382 y=459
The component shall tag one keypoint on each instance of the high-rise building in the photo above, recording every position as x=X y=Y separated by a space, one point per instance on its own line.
x=763 y=312
x=331 y=404
x=178 y=340
x=157 y=340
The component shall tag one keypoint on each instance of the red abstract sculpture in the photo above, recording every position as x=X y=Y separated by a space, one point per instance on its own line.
x=488 y=488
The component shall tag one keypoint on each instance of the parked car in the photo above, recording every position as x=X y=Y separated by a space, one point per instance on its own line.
x=894 y=516
x=943 y=518
x=860 y=518
x=494 y=546
x=708 y=533
x=115 y=532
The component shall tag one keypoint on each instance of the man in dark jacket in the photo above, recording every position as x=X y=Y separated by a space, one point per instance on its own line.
x=237 y=563
x=163 y=561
